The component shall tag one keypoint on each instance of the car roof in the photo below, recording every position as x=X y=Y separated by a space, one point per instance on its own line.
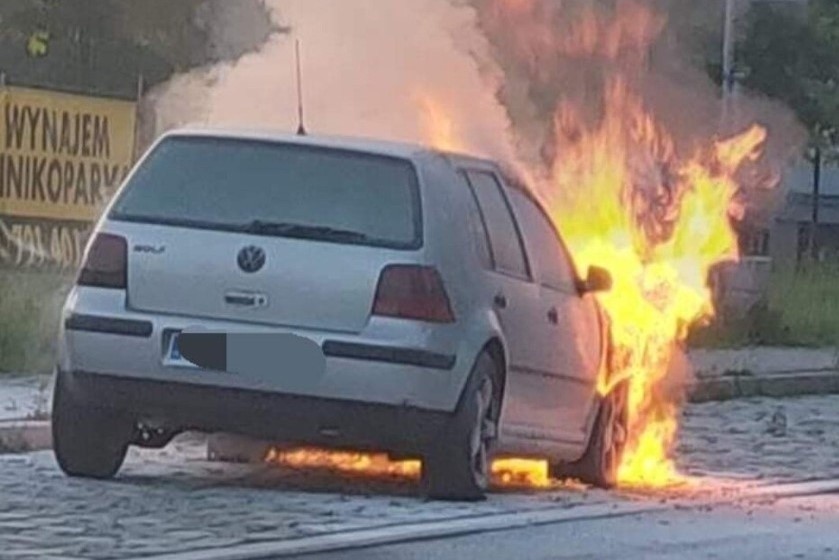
x=406 y=150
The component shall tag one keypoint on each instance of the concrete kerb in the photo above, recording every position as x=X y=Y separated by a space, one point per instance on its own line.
x=735 y=385
x=25 y=436
x=21 y=436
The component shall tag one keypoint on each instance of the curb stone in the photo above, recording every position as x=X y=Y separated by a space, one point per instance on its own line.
x=740 y=385
x=25 y=436
x=22 y=436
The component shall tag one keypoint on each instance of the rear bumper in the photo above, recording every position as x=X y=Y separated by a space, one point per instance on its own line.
x=331 y=348
x=258 y=414
x=391 y=363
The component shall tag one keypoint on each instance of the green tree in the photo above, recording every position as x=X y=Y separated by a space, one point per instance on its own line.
x=792 y=54
x=102 y=46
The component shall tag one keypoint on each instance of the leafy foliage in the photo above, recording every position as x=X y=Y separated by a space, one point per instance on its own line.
x=791 y=52
x=102 y=46
x=802 y=309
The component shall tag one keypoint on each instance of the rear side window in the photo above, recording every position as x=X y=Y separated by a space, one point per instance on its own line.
x=278 y=189
x=477 y=227
x=504 y=238
x=544 y=243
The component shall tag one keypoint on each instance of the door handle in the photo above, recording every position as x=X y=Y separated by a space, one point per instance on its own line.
x=500 y=301
x=553 y=316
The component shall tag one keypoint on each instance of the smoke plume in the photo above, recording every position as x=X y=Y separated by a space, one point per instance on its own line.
x=373 y=69
x=369 y=69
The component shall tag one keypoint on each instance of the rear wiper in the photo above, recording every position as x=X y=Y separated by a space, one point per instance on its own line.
x=260 y=227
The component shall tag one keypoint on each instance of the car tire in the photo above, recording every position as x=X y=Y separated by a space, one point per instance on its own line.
x=88 y=442
x=458 y=467
x=599 y=465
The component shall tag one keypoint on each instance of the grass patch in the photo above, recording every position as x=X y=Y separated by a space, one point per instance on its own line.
x=30 y=308
x=807 y=302
x=801 y=309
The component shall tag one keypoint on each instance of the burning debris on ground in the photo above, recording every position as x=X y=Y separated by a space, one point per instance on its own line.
x=506 y=472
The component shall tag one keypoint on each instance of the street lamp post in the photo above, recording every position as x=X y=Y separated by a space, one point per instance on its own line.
x=817 y=171
x=728 y=59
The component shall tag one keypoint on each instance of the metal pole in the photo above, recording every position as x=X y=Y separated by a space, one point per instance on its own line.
x=141 y=90
x=301 y=127
x=728 y=59
x=817 y=171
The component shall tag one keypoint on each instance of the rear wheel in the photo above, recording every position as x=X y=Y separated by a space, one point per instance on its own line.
x=601 y=461
x=458 y=467
x=88 y=442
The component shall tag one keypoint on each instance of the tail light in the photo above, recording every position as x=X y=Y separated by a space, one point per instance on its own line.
x=106 y=263
x=412 y=292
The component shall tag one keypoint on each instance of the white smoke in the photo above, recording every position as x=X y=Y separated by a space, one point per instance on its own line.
x=365 y=66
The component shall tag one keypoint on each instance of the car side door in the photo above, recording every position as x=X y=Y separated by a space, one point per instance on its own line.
x=515 y=300
x=570 y=328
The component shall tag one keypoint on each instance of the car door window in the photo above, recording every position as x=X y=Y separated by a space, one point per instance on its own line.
x=477 y=227
x=543 y=243
x=505 y=241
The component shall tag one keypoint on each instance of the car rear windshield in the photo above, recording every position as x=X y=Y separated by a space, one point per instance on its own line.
x=271 y=188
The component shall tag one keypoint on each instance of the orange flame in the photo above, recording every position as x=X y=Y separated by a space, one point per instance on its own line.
x=350 y=462
x=521 y=472
x=439 y=126
x=627 y=200
x=505 y=472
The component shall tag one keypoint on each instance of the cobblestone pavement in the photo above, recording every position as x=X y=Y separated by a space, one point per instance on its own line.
x=768 y=439
x=173 y=500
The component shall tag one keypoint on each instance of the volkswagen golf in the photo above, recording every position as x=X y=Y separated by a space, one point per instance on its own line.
x=381 y=296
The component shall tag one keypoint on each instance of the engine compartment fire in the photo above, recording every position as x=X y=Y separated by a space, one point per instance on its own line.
x=627 y=196
x=652 y=204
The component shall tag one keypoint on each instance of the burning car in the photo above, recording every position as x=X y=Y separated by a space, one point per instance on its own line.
x=446 y=317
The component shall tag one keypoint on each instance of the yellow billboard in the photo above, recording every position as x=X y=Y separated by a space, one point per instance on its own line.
x=62 y=157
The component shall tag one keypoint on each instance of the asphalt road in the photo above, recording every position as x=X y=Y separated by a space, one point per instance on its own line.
x=787 y=529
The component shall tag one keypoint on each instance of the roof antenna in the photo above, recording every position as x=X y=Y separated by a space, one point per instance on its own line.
x=301 y=129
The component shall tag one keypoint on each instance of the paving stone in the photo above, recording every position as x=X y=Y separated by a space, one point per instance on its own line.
x=736 y=437
x=176 y=500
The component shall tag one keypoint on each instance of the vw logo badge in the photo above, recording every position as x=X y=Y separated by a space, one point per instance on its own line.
x=251 y=259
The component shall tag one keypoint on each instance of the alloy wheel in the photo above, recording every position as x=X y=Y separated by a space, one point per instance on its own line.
x=483 y=433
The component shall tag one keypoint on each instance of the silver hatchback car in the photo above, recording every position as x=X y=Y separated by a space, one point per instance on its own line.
x=443 y=315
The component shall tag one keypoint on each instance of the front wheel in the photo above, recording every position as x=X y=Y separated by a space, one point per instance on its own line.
x=88 y=442
x=601 y=461
x=458 y=467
